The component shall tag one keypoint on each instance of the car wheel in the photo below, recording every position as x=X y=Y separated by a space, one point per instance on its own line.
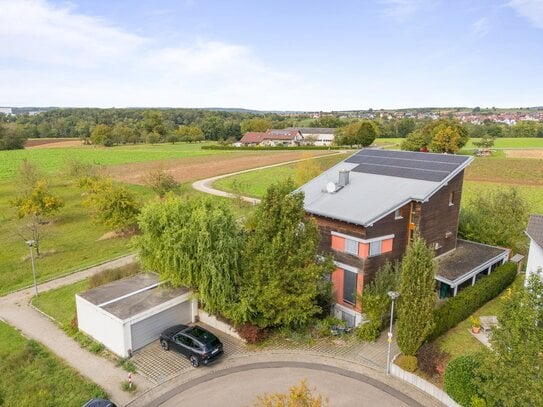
x=194 y=361
x=164 y=344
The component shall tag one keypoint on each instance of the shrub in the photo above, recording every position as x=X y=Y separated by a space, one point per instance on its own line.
x=470 y=299
x=429 y=358
x=251 y=333
x=107 y=276
x=369 y=332
x=406 y=362
x=129 y=387
x=458 y=380
x=323 y=327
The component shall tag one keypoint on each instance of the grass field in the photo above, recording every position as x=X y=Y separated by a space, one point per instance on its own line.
x=53 y=161
x=31 y=376
x=255 y=183
x=505 y=142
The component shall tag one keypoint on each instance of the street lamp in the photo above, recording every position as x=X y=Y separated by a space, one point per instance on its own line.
x=393 y=295
x=31 y=244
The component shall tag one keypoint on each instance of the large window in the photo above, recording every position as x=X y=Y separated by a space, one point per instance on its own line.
x=349 y=286
x=351 y=246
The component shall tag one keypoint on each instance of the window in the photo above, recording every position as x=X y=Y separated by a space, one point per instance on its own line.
x=451 y=198
x=375 y=248
x=398 y=214
x=349 y=287
x=351 y=246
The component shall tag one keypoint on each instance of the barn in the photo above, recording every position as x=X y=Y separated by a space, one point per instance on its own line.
x=127 y=314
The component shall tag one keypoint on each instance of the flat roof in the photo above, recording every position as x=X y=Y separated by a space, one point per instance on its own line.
x=380 y=181
x=133 y=295
x=467 y=257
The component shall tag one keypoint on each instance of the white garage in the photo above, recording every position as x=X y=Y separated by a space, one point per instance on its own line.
x=128 y=314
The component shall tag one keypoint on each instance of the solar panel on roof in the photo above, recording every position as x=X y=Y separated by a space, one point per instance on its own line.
x=406 y=164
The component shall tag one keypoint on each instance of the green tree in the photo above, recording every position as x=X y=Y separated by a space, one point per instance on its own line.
x=101 y=135
x=115 y=206
x=11 y=138
x=282 y=271
x=511 y=371
x=213 y=128
x=405 y=126
x=487 y=141
x=415 y=141
x=256 y=124
x=367 y=133
x=447 y=135
x=196 y=243
x=496 y=218
x=122 y=133
x=35 y=206
x=153 y=122
x=417 y=297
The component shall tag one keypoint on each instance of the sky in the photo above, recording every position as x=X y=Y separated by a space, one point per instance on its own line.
x=271 y=55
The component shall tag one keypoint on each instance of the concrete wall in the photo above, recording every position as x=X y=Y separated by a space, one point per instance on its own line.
x=102 y=326
x=422 y=384
x=213 y=322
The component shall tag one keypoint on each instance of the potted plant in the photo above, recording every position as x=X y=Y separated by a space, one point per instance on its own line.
x=475 y=324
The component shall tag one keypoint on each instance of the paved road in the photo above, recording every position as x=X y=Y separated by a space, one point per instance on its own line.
x=16 y=311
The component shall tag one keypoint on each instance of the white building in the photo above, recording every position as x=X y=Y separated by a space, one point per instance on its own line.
x=6 y=110
x=319 y=136
x=535 y=255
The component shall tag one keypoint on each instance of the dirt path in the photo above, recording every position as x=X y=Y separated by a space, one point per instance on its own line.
x=52 y=143
x=193 y=168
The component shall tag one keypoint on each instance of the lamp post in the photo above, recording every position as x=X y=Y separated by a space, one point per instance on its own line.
x=393 y=295
x=31 y=244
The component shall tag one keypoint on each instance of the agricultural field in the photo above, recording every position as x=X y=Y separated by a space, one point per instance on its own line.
x=502 y=143
x=72 y=239
x=31 y=376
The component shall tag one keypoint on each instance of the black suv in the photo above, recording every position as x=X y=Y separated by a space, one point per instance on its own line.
x=198 y=344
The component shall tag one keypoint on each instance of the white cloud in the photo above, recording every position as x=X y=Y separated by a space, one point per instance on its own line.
x=529 y=9
x=481 y=27
x=55 y=56
x=402 y=10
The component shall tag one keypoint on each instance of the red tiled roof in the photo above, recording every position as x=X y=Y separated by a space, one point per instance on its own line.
x=256 y=137
x=253 y=137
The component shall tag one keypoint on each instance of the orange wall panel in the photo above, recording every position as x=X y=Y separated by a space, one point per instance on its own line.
x=337 y=285
x=386 y=245
x=359 y=285
x=363 y=249
x=338 y=243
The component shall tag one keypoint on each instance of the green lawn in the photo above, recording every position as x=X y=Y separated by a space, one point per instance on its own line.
x=255 y=183
x=458 y=341
x=31 y=376
x=60 y=302
x=53 y=160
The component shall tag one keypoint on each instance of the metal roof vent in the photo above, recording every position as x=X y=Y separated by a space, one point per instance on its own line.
x=343 y=177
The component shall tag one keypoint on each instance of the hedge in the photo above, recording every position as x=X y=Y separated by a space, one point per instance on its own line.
x=457 y=309
x=219 y=147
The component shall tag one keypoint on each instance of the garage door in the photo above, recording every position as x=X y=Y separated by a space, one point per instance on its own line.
x=149 y=329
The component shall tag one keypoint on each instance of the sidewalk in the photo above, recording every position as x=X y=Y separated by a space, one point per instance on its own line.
x=16 y=311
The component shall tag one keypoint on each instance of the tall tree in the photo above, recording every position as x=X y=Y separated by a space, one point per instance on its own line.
x=496 y=218
x=511 y=371
x=196 y=243
x=417 y=296
x=256 y=124
x=11 y=138
x=282 y=270
x=101 y=135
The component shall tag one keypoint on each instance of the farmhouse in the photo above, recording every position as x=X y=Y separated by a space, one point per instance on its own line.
x=534 y=231
x=368 y=208
x=127 y=314
x=272 y=138
x=316 y=136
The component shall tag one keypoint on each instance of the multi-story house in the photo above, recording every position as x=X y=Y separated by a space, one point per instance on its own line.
x=368 y=208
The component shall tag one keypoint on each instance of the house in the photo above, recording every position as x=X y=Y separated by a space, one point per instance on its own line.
x=125 y=315
x=368 y=208
x=272 y=138
x=316 y=136
x=534 y=231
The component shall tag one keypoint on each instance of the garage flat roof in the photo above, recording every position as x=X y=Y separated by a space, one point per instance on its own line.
x=133 y=295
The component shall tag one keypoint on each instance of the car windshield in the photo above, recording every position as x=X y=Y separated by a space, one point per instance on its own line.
x=203 y=336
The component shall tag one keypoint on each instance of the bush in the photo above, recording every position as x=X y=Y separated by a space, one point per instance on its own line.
x=429 y=358
x=323 y=327
x=107 y=276
x=369 y=332
x=251 y=333
x=458 y=381
x=470 y=299
x=408 y=363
